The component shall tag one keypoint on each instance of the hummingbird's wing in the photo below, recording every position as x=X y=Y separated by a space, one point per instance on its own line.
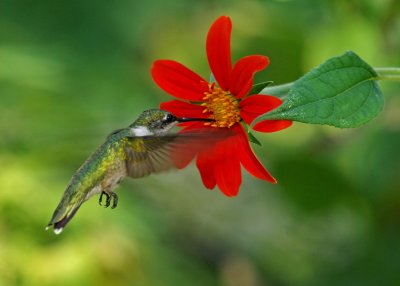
x=152 y=154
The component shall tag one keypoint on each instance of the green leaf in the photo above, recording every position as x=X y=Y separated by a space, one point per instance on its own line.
x=257 y=88
x=341 y=92
x=253 y=139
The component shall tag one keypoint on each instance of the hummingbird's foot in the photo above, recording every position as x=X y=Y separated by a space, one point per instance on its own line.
x=115 y=200
x=101 y=198
x=109 y=196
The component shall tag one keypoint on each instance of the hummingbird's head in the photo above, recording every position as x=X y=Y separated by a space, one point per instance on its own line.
x=156 y=121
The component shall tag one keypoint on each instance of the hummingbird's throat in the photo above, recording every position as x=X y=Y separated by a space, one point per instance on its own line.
x=222 y=106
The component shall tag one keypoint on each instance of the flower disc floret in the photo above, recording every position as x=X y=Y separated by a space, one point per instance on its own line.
x=222 y=106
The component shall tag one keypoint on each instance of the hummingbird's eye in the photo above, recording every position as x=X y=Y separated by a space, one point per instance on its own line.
x=169 y=118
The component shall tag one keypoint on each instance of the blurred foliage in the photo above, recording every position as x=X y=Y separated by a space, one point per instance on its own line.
x=72 y=71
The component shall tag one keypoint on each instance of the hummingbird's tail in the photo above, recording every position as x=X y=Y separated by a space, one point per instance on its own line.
x=59 y=224
x=64 y=212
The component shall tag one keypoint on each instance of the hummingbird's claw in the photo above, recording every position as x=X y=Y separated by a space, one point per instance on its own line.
x=108 y=200
x=115 y=201
x=101 y=198
x=109 y=196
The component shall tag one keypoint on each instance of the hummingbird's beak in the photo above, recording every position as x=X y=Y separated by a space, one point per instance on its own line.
x=188 y=119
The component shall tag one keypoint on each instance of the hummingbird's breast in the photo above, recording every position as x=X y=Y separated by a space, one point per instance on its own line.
x=103 y=170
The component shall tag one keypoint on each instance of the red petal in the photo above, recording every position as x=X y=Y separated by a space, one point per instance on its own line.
x=179 y=81
x=205 y=164
x=227 y=166
x=218 y=48
x=185 y=154
x=199 y=139
x=241 y=79
x=250 y=161
x=255 y=105
x=183 y=109
x=272 y=125
x=205 y=159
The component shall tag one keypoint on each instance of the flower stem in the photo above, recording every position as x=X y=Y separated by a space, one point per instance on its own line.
x=388 y=74
x=385 y=73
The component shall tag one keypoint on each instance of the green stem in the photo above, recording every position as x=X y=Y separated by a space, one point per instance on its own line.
x=385 y=73
x=388 y=73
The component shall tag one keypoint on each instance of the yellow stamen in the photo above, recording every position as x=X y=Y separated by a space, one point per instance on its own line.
x=222 y=106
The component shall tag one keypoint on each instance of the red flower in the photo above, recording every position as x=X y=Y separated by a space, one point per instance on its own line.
x=225 y=103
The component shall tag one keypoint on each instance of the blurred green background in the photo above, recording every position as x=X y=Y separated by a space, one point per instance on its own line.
x=73 y=71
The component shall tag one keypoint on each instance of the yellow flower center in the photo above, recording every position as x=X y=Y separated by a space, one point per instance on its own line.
x=222 y=106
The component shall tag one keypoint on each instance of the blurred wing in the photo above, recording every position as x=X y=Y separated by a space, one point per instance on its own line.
x=153 y=154
x=146 y=155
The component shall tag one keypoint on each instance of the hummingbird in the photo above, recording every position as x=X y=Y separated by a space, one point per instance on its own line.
x=144 y=147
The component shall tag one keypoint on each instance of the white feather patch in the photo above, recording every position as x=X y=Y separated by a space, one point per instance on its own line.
x=141 y=131
x=58 y=230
